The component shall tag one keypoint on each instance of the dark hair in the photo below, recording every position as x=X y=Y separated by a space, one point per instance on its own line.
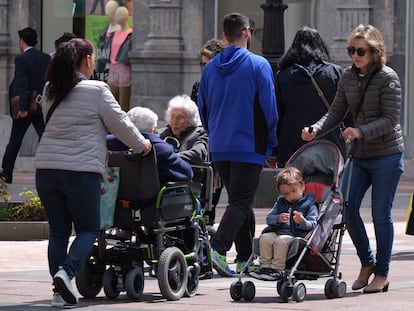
x=307 y=47
x=28 y=35
x=233 y=25
x=64 y=38
x=63 y=71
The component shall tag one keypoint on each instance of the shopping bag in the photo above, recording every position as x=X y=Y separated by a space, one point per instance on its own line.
x=109 y=194
x=410 y=217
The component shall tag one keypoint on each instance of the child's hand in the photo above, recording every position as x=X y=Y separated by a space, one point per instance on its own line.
x=283 y=217
x=298 y=217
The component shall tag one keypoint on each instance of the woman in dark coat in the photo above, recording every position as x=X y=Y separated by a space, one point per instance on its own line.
x=297 y=99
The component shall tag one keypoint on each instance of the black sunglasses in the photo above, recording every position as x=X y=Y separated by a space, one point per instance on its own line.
x=360 y=51
x=251 y=29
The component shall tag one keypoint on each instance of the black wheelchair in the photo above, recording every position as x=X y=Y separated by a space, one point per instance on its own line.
x=159 y=230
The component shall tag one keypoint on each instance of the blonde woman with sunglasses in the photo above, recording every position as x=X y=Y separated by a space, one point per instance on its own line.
x=371 y=91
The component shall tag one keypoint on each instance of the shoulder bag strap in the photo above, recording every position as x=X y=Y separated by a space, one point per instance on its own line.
x=361 y=101
x=320 y=92
x=51 y=110
x=325 y=101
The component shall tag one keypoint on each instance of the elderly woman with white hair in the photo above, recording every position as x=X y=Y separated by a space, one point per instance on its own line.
x=184 y=131
x=170 y=166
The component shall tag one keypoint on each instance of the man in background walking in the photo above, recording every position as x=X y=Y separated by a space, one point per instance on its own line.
x=30 y=68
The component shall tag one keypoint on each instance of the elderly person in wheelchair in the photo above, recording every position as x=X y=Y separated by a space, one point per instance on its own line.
x=170 y=166
x=185 y=133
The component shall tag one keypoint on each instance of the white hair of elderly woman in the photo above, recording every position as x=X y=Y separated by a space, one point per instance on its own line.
x=143 y=118
x=184 y=102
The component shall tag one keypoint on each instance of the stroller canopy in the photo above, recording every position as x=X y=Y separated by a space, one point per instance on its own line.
x=319 y=161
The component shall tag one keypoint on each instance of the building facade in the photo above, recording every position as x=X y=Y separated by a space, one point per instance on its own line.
x=168 y=34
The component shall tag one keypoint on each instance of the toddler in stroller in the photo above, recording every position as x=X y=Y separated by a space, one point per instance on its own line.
x=293 y=215
x=316 y=254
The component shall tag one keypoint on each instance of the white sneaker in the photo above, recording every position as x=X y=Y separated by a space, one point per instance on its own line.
x=63 y=284
x=58 y=301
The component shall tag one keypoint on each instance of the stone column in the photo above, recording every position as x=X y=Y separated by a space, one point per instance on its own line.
x=350 y=14
x=158 y=55
x=4 y=42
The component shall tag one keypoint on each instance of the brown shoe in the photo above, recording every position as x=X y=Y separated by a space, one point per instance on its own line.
x=377 y=285
x=363 y=277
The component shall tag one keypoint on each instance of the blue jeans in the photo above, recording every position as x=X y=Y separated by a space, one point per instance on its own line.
x=69 y=198
x=383 y=174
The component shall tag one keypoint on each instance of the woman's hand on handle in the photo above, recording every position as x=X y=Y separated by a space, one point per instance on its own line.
x=148 y=147
x=308 y=133
x=350 y=134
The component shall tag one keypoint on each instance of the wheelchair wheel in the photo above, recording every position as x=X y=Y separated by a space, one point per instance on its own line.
x=172 y=273
x=89 y=280
x=192 y=280
x=110 y=284
x=236 y=290
x=134 y=283
x=248 y=291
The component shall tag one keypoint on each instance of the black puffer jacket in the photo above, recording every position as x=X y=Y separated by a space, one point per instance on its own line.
x=377 y=118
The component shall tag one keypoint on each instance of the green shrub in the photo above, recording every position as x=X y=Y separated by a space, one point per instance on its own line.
x=5 y=211
x=3 y=190
x=31 y=209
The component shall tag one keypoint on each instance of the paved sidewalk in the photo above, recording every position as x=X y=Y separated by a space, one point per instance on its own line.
x=25 y=283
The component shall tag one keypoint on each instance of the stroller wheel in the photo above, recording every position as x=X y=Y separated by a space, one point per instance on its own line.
x=193 y=280
x=279 y=286
x=339 y=289
x=329 y=292
x=299 y=292
x=172 y=273
x=236 y=290
x=248 y=291
x=110 y=281
x=134 y=283
x=90 y=277
x=285 y=291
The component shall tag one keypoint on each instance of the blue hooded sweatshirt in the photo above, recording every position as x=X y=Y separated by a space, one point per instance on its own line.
x=237 y=106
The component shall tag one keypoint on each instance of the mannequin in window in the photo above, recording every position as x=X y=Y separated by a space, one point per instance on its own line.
x=104 y=42
x=119 y=78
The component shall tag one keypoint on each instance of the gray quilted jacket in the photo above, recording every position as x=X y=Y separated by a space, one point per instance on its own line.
x=75 y=137
x=378 y=118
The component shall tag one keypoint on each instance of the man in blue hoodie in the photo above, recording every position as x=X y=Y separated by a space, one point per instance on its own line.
x=238 y=111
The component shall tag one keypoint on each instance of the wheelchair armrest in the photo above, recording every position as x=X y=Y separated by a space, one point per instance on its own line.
x=177 y=184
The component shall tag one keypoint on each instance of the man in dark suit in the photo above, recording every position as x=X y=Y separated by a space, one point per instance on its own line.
x=30 y=68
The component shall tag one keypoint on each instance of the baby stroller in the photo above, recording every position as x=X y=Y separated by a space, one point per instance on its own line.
x=317 y=255
x=159 y=226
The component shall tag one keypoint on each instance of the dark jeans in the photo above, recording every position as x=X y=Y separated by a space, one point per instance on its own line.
x=70 y=198
x=238 y=222
x=19 y=128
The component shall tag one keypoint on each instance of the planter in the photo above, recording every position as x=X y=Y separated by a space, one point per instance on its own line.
x=23 y=230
